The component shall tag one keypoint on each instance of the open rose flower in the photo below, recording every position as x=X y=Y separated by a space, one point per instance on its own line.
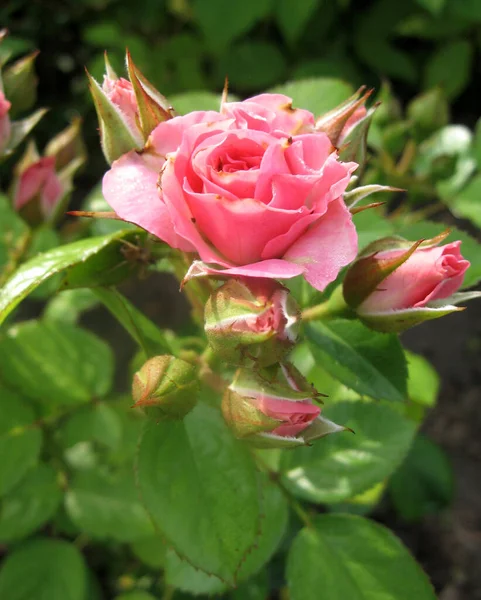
x=392 y=289
x=253 y=189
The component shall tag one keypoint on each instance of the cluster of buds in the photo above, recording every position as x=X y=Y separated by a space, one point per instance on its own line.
x=165 y=387
x=396 y=284
x=252 y=321
x=275 y=408
x=127 y=110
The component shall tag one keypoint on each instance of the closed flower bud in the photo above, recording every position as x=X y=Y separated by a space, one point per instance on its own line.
x=37 y=188
x=127 y=110
x=396 y=284
x=251 y=321
x=5 y=125
x=165 y=387
x=275 y=408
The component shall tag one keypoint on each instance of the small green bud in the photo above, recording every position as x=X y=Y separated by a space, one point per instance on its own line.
x=165 y=387
x=251 y=321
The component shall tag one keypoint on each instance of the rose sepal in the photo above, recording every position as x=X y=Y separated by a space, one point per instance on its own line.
x=153 y=107
x=117 y=137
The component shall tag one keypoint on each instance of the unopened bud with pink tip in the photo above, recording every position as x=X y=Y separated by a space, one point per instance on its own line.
x=5 y=125
x=396 y=284
x=275 y=408
x=251 y=321
x=165 y=387
x=127 y=110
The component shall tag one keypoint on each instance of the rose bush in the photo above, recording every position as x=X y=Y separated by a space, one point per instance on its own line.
x=253 y=189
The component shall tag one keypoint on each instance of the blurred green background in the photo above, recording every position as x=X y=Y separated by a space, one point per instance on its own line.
x=186 y=45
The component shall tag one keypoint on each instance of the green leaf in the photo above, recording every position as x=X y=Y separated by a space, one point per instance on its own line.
x=222 y=22
x=98 y=422
x=205 y=502
x=470 y=248
x=190 y=101
x=40 y=268
x=146 y=333
x=293 y=18
x=450 y=68
x=423 y=380
x=435 y=7
x=107 y=507
x=346 y=464
x=67 y=306
x=343 y=557
x=30 y=504
x=13 y=234
x=467 y=204
x=44 y=568
x=424 y=483
x=20 y=440
x=181 y=575
x=371 y=363
x=55 y=364
x=150 y=550
x=252 y=65
x=317 y=95
x=137 y=595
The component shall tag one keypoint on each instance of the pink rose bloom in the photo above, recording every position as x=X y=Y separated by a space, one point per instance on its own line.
x=428 y=274
x=253 y=190
x=121 y=93
x=39 y=180
x=294 y=416
x=5 y=125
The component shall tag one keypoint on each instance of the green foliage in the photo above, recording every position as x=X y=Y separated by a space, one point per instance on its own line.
x=44 y=568
x=370 y=363
x=349 y=463
x=205 y=490
x=424 y=483
x=344 y=556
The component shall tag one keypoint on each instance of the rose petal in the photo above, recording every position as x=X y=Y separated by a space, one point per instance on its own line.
x=130 y=187
x=327 y=247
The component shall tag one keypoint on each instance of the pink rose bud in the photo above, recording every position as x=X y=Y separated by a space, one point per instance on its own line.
x=251 y=320
x=396 y=284
x=121 y=93
x=5 y=126
x=38 y=190
x=276 y=408
x=165 y=387
x=127 y=110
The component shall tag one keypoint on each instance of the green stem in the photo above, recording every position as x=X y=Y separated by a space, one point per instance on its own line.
x=330 y=309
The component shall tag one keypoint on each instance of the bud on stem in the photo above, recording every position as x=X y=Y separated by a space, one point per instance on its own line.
x=165 y=387
x=251 y=321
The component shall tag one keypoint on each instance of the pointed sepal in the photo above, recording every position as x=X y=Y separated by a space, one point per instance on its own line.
x=153 y=107
x=117 y=135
